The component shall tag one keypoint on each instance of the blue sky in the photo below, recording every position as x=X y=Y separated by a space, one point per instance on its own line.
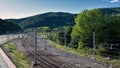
x=24 y=8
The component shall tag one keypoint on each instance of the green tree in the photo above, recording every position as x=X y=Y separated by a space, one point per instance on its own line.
x=86 y=23
x=65 y=33
x=43 y=29
x=107 y=29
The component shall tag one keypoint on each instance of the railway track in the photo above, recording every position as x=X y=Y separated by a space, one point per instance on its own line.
x=44 y=59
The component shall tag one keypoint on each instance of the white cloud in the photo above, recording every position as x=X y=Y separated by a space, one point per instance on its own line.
x=113 y=1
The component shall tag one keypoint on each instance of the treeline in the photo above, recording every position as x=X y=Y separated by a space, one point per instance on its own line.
x=80 y=36
x=59 y=34
x=8 y=27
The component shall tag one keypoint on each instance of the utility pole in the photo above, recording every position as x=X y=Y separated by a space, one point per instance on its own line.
x=45 y=41
x=35 y=46
x=65 y=39
x=94 y=46
x=7 y=36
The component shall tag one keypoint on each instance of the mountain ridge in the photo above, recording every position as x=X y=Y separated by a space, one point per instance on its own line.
x=58 y=19
x=6 y=27
x=55 y=19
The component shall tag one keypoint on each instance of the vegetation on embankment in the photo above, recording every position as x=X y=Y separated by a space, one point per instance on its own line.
x=86 y=53
x=15 y=55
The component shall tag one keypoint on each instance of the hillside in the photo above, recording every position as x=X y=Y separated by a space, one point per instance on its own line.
x=51 y=19
x=110 y=11
x=8 y=27
x=55 y=19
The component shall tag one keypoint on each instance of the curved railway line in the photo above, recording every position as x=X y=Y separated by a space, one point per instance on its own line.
x=44 y=59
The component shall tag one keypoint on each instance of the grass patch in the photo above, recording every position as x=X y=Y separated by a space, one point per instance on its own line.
x=15 y=55
x=81 y=53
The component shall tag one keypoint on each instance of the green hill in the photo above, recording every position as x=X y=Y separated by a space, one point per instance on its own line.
x=110 y=11
x=51 y=19
x=6 y=27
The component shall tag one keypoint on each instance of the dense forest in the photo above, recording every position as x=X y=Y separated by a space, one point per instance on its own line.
x=110 y=11
x=8 y=27
x=50 y=19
